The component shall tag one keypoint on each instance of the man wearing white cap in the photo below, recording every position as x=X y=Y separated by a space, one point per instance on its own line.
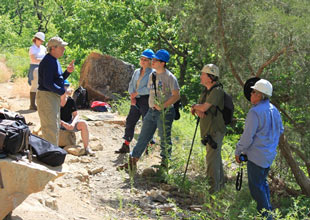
x=51 y=87
x=260 y=138
x=212 y=125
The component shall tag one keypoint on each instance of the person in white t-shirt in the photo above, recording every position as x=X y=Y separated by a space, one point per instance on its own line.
x=36 y=52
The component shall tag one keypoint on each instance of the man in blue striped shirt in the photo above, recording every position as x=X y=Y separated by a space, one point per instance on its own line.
x=259 y=141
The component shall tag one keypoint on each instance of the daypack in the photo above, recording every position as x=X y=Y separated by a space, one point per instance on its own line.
x=99 y=106
x=46 y=152
x=6 y=114
x=14 y=136
x=176 y=105
x=80 y=97
x=229 y=107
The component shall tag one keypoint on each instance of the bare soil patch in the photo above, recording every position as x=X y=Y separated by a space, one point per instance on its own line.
x=82 y=193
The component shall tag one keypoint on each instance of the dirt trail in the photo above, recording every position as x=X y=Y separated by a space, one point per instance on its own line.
x=79 y=195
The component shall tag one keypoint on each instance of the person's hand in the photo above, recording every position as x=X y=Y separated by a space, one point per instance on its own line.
x=237 y=159
x=157 y=107
x=200 y=114
x=133 y=95
x=133 y=101
x=70 y=67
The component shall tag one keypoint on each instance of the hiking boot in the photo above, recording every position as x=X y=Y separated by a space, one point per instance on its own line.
x=124 y=149
x=32 y=101
x=89 y=152
x=131 y=165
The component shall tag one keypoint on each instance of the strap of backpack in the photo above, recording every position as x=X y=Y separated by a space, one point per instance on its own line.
x=217 y=85
x=154 y=82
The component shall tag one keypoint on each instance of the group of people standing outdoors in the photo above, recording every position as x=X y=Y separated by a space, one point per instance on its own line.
x=153 y=90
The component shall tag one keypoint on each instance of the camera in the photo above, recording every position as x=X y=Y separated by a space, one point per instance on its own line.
x=243 y=158
x=208 y=140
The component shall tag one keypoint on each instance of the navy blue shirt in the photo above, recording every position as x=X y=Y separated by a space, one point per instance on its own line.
x=51 y=77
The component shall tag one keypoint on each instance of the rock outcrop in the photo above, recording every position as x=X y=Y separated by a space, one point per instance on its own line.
x=103 y=75
x=19 y=179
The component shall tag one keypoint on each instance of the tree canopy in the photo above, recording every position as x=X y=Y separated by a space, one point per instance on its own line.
x=267 y=39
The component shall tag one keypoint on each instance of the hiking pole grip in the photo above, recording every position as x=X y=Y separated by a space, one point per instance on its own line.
x=190 y=152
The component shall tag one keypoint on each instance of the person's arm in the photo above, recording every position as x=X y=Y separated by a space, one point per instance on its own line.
x=173 y=99
x=70 y=126
x=34 y=59
x=201 y=107
x=246 y=140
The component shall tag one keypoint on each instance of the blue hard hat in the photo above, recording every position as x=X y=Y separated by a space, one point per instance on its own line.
x=148 y=53
x=66 y=83
x=162 y=55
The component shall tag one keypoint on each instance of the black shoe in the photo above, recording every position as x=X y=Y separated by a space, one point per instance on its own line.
x=124 y=149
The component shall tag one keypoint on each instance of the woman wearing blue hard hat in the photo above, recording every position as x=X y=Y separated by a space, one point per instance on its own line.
x=164 y=92
x=139 y=95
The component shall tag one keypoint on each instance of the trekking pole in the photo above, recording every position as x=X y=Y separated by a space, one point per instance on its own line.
x=190 y=152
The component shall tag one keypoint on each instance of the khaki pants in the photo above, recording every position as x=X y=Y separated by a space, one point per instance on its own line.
x=34 y=82
x=48 y=104
x=215 y=171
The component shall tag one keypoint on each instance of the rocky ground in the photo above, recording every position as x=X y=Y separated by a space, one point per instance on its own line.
x=92 y=188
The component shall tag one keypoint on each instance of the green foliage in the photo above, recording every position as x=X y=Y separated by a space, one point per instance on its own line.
x=121 y=104
x=254 y=32
x=18 y=61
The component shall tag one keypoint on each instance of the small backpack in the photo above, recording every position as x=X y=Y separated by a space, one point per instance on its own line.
x=229 y=107
x=14 y=136
x=99 y=106
x=80 y=97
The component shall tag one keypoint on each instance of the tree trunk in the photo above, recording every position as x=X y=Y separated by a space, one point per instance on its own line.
x=302 y=180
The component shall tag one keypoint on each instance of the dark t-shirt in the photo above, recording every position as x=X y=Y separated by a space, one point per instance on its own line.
x=66 y=111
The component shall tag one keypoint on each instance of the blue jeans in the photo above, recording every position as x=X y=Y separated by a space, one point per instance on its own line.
x=141 y=108
x=152 y=120
x=259 y=187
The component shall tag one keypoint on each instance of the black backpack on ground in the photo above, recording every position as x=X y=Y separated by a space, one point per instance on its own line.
x=46 y=152
x=80 y=97
x=229 y=107
x=176 y=105
x=6 y=114
x=14 y=136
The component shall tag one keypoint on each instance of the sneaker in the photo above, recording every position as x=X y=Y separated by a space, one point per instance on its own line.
x=124 y=149
x=89 y=152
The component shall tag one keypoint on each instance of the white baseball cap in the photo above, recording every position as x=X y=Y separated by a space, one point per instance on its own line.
x=40 y=35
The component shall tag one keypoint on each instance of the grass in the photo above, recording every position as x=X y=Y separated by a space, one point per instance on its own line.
x=229 y=203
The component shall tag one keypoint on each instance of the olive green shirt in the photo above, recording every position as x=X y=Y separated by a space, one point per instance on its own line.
x=213 y=122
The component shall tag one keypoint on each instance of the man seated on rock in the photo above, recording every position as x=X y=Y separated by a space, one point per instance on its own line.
x=70 y=120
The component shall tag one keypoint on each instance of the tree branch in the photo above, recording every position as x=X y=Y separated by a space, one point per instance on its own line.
x=272 y=59
x=303 y=157
x=224 y=43
x=299 y=175
x=296 y=126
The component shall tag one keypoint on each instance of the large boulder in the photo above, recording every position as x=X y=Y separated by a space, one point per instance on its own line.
x=103 y=75
x=19 y=179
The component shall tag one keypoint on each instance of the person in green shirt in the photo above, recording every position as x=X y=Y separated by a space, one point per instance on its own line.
x=212 y=125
